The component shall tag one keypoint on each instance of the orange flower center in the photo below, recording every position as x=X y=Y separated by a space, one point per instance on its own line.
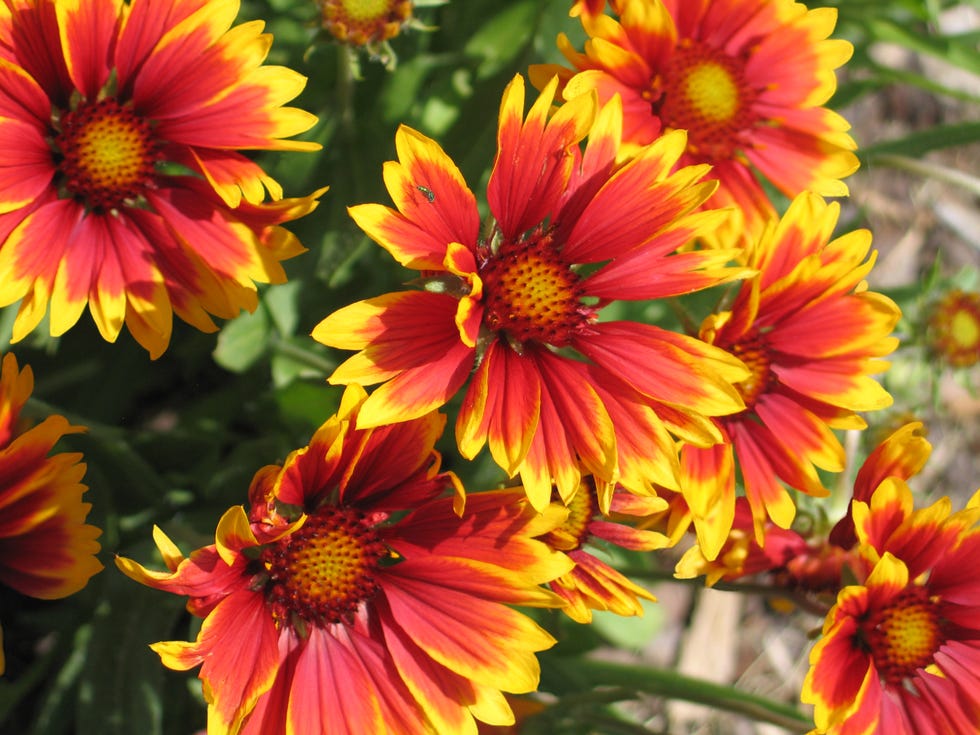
x=905 y=636
x=360 y=22
x=755 y=354
x=532 y=294
x=705 y=93
x=574 y=532
x=108 y=153
x=325 y=570
x=956 y=328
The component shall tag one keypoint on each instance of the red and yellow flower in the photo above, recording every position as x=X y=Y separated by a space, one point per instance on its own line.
x=593 y=584
x=47 y=550
x=954 y=328
x=902 y=455
x=364 y=22
x=813 y=563
x=120 y=131
x=555 y=388
x=900 y=651
x=812 y=335
x=745 y=78
x=351 y=597
x=588 y=7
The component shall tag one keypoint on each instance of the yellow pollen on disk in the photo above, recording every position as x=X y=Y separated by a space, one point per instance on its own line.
x=964 y=329
x=906 y=636
x=531 y=294
x=754 y=353
x=711 y=92
x=703 y=90
x=363 y=22
x=324 y=570
x=108 y=153
x=955 y=328
x=574 y=532
x=366 y=10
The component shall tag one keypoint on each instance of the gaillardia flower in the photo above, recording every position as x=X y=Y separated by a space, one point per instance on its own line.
x=47 y=550
x=815 y=563
x=954 y=328
x=745 y=78
x=351 y=597
x=364 y=22
x=900 y=651
x=593 y=584
x=555 y=388
x=812 y=335
x=587 y=7
x=121 y=185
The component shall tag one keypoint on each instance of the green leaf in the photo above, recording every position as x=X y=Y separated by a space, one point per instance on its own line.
x=956 y=50
x=54 y=717
x=629 y=632
x=243 y=341
x=282 y=304
x=121 y=694
x=14 y=690
x=923 y=141
x=502 y=38
x=308 y=405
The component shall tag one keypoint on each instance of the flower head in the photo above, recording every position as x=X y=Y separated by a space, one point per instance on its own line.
x=814 y=562
x=954 y=328
x=593 y=584
x=746 y=79
x=797 y=566
x=120 y=126
x=588 y=7
x=352 y=592
x=900 y=650
x=812 y=335
x=46 y=548
x=364 y=22
x=555 y=388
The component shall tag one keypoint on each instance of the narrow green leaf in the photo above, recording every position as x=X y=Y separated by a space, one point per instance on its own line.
x=961 y=52
x=502 y=37
x=923 y=141
x=120 y=694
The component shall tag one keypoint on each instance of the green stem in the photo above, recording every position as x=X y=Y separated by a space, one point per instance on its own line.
x=614 y=726
x=310 y=359
x=587 y=706
x=589 y=673
x=345 y=86
x=683 y=315
x=931 y=170
x=801 y=600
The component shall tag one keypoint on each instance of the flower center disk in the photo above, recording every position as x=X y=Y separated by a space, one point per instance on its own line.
x=955 y=326
x=965 y=330
x=705 y=93
x=755 y=354
x=322 y=572
x=532 y=294
x=906 y=636
x=574 y=532
x=360 y=22
x=108 y=154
